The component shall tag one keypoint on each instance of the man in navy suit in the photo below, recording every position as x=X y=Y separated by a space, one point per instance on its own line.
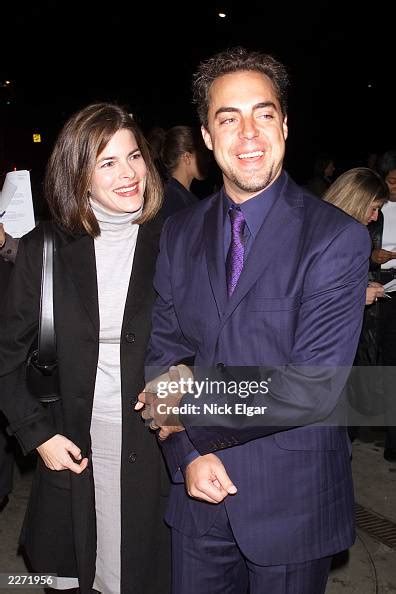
x=263 y=505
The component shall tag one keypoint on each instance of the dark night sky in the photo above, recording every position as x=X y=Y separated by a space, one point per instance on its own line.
x=102 y=51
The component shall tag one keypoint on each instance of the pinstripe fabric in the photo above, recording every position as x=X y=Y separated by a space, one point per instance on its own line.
x=214 y=564
x=298 y=484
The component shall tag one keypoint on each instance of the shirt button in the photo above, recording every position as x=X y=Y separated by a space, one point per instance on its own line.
x=132 y=457
x=130 y=337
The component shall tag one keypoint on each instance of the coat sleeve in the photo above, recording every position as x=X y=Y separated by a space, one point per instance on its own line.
x=307 y=390
x=167 y=346
x=28 y=419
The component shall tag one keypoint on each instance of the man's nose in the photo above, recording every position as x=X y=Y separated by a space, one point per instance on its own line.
x=249 y=128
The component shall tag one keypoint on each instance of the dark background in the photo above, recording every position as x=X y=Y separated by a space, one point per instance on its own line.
x=60 y=56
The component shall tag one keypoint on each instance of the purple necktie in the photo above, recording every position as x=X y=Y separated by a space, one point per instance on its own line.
x=234 y=262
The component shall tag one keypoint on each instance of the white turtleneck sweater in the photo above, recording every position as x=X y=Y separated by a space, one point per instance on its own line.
x=114 y=251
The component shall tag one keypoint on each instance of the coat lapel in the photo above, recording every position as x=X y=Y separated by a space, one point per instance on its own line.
x=143 y=268
x=78 y=258
x=214 y=248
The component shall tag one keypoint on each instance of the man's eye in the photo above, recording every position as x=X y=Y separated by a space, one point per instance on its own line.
x=266 y=116
x=227 y=121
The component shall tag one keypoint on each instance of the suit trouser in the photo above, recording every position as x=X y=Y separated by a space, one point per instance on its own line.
x=214 y=564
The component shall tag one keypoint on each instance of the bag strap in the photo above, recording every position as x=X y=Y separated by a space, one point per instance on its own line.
x=46 y=355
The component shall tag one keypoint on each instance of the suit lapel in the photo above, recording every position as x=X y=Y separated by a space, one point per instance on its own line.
x=214 y=248
x=78 y=258
x=279 y=232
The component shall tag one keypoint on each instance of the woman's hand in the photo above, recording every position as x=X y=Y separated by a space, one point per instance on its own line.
x=373 y=292
x=59 y=453
x=2 y=235
x=380 y=256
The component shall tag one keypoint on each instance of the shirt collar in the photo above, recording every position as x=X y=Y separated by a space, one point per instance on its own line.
x=257 y=208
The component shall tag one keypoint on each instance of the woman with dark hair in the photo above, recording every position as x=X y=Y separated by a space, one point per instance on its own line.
x=95 y=511
x=185 y=158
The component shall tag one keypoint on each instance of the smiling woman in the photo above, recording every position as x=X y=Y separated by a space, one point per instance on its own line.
x=97 y=462
x=119 y=178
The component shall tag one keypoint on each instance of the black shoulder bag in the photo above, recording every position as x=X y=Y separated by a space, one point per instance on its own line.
x=42 y=366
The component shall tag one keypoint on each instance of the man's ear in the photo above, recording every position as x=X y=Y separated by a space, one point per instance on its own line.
x=207 y=138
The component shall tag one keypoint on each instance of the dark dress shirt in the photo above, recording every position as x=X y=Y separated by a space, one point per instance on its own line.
x=255 y=210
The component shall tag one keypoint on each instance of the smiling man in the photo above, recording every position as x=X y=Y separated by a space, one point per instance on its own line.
x=260 y=275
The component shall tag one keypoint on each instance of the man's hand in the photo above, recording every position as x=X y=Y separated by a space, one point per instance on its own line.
x=207 y=479
x=380 y=256
x=162 y=408
x=57 y=454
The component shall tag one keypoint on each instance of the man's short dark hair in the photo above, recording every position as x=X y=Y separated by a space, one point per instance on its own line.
x=237 y=59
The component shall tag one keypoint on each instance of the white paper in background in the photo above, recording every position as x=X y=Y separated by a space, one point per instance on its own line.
x=391 y=286
x=18 y=217
x=6 y=194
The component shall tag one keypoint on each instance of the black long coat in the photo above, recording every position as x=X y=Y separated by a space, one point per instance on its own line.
x=59 y=532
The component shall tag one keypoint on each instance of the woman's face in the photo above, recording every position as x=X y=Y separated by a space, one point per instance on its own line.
x=120 y=175
x=391 y=182
x=372 y=212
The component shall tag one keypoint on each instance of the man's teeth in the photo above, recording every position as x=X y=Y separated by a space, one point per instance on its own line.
x=250 y=155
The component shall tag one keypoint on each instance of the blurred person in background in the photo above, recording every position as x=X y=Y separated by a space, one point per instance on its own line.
x=186 y=159
x=324 y=169
x=361 y=193
x=383 y=259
